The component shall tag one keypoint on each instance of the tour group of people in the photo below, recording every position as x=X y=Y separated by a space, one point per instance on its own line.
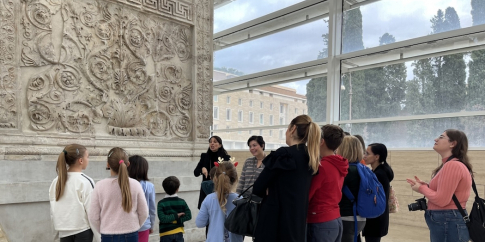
x=301 y=186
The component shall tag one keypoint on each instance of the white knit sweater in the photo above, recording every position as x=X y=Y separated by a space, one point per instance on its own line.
x=70 y=213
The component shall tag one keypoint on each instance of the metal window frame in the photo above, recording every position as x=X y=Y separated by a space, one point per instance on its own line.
x=334 y=65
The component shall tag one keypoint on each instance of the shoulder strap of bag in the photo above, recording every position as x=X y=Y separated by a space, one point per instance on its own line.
x=245 y=191
x=466 y=218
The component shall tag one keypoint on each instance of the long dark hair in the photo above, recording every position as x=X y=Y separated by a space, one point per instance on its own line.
x=138 y=168
x=459 y=151
x=221 y=152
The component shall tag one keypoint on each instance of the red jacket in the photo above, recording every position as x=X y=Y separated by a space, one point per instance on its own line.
x=326 y=189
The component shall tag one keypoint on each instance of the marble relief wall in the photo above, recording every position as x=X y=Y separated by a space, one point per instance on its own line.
x=120 y=67
x=102 y=73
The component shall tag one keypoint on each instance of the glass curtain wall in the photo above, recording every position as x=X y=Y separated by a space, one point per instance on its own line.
x=402 y=73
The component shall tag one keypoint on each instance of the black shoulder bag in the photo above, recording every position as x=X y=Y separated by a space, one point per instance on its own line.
x=476 y=220
x=243 y=218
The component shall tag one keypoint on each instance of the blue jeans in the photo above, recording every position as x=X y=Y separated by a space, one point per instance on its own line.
x=178 y=237
x=446 y=226
x=131 y=237
x=330 y=231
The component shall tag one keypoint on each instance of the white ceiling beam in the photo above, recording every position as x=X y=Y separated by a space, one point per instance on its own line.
x=431 y=39
x=448 y=46
x=307 y=70
x=287 y=18
x=220 y=3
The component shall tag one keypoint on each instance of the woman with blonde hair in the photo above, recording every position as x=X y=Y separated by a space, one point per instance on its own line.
x=351 y=149
x=118 y=204
x=284 y=183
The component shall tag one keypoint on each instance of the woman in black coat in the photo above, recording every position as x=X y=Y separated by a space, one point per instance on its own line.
x=207 y=160
x=284 y=184
x=376 y=155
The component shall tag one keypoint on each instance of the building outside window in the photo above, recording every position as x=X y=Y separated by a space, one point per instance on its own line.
x=240 y=116
x=216 y=98
x=271 y=106
x=228 y=99
x=250 y=132
x=251 y=117
x=214 y=127
x=228 y=114
x=261 y=105
x=270 y=119
x=296 y=110
x=250 y=103
x=271 y=133
x=261 y=119
x=260 y=132
x=282 y=121
x=239 y=101
x=282 y=134
x=216 y=113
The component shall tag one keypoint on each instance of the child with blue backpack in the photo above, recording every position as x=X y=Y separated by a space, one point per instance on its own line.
x=367 y=200
x=351 y=149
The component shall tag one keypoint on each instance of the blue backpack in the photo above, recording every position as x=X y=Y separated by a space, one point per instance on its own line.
x=371 y=200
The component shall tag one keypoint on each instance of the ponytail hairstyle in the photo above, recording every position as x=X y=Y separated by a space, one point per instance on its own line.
x=381 y=150
x=459 y=151
x=308 y=132
x=118 y=162
x=68 y=157
x=225 y=178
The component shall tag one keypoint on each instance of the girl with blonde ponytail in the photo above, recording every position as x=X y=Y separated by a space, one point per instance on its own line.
x=118 y=204
x=285 y=183
x=217 y=205
x=70 y=195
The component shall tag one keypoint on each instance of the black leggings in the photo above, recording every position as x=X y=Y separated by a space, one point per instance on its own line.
x=85 y=236
x=372 y=239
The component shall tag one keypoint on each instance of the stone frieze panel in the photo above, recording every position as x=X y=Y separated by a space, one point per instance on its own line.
x=204 y=23
x=8 y=67
x=117 y=71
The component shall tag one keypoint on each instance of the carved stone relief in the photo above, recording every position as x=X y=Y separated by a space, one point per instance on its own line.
x=117 y=71
x=8 y=69
x=204 y=23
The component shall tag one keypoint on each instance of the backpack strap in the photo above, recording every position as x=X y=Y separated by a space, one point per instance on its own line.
x=351 y=197
x=466 y=218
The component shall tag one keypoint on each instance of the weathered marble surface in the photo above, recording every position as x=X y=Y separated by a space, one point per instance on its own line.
x=130 y=73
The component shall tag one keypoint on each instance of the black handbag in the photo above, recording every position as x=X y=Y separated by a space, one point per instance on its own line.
x=475 y=221
x=243 y=218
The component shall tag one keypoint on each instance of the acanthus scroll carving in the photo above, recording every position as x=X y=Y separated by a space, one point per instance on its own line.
x=8 y=70
x=118 y=70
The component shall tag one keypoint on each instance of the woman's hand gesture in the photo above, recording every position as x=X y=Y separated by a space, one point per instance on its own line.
x=415 y=184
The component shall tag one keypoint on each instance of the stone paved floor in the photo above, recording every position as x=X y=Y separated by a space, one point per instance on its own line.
x=401 y=233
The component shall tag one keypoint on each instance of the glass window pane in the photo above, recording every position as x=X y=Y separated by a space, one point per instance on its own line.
x=442 y=84
x=418 y=133
x=386 y=21
x=297 y=45
x=240 y=11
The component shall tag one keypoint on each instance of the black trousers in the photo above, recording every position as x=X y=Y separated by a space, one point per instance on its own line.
x=372 y=239
x=85 y=236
